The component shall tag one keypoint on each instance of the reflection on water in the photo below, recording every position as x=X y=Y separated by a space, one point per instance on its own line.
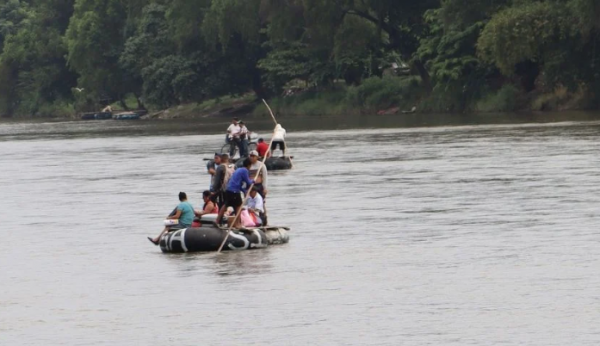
x=455 y=235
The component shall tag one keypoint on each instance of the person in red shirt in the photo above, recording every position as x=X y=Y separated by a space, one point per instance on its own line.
x=262 y=147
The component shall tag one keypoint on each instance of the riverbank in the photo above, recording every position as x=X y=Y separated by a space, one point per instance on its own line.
x=373 y=97
x=391 y=96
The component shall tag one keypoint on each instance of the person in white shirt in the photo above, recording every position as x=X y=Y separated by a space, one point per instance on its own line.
x=255 y=204
x=278 y=139
x=233 y=135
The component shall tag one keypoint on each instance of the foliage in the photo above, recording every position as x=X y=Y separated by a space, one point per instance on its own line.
x=59 y=56
x=504 y=100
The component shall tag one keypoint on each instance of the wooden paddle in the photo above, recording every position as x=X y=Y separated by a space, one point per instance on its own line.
x=275 y=120
x=248 y=194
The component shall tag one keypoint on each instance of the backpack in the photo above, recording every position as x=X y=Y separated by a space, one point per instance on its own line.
x=229 y=169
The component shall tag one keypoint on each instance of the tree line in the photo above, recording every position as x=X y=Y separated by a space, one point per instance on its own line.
x=74 y=55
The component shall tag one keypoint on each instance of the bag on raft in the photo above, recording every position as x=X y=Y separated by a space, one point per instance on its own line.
x=247 y=220
x=170 y=222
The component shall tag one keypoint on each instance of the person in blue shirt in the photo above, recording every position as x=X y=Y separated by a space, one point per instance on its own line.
x=234 y=194
x=184 y=213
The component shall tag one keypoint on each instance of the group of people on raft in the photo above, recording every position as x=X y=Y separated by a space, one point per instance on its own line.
x=239 y=136
x=232 y=191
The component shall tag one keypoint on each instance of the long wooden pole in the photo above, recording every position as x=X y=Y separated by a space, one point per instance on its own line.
x=247 y=194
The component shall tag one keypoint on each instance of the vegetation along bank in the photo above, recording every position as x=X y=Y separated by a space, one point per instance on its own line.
x=62 y=57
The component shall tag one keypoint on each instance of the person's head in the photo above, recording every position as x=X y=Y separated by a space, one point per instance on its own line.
x=247 y=163
x=242 y=123
x=206 y=196
x=225 y=158
x=260 y=140
x=235 y=121
x=278 y=127
x=217 y=158
x=253 y=156
x=253 y=193
x=182 y=196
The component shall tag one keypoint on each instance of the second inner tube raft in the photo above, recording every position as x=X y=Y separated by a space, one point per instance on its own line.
x=208 y=238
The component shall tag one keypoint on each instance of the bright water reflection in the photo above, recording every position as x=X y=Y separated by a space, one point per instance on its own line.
x=472 y=235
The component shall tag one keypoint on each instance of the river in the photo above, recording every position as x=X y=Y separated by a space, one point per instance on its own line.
x=446 y=235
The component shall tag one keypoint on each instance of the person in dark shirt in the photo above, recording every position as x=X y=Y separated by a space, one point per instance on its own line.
x=211 y=168
x=221 y=178
x=244 y=137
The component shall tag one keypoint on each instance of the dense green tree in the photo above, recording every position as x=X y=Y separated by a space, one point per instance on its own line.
x=168 y=52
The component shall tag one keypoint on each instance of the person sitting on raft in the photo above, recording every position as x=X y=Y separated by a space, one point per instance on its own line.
x=262 y=147
x=235 y=191
x=210 y=207
x=255 y=209
x=278 y=139
x=184 y=213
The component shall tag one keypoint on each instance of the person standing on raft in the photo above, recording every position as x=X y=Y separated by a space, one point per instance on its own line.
x=262 y=147
x=244 y=137
x=278 y=139
x=233 y=135
x=211 y=168
x=234 y=194
x=219 y=183
x=258 y=170
x=184 y=213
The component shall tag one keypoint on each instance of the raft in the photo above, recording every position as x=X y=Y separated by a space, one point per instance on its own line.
x=273 y=163
x=127 y=116
x=96 y=116
x=209 y=238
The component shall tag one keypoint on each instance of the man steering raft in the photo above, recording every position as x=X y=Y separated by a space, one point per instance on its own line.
x=182 y=217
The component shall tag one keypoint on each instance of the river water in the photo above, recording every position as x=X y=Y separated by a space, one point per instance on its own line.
x=455 y=235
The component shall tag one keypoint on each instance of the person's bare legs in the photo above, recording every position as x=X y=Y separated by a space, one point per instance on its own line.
x=238 y=221
x=220 y=215
x=157 y=239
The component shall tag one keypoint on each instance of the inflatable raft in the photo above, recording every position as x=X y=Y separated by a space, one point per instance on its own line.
x=203 y=236
x=209 y=238
x=273 y=163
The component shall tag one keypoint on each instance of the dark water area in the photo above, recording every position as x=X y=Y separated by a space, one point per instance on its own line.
x=459 y=234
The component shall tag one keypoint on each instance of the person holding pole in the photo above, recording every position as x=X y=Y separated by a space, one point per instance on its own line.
x=278 y=139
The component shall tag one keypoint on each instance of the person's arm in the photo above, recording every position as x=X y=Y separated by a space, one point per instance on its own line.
x=210 y=167
x=207 y=209
x=176 y=216
x=263 y=170
x=246 y=177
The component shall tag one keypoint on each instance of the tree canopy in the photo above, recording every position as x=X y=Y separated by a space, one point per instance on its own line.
x=83 y=54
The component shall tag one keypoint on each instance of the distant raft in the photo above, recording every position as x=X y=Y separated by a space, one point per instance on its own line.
x=209 y=238
x=127 y=116
x=273 y=163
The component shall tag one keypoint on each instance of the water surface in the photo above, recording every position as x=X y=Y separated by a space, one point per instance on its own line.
x=462 y=235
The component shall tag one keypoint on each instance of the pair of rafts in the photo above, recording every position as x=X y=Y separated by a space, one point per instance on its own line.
x=208 y=238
